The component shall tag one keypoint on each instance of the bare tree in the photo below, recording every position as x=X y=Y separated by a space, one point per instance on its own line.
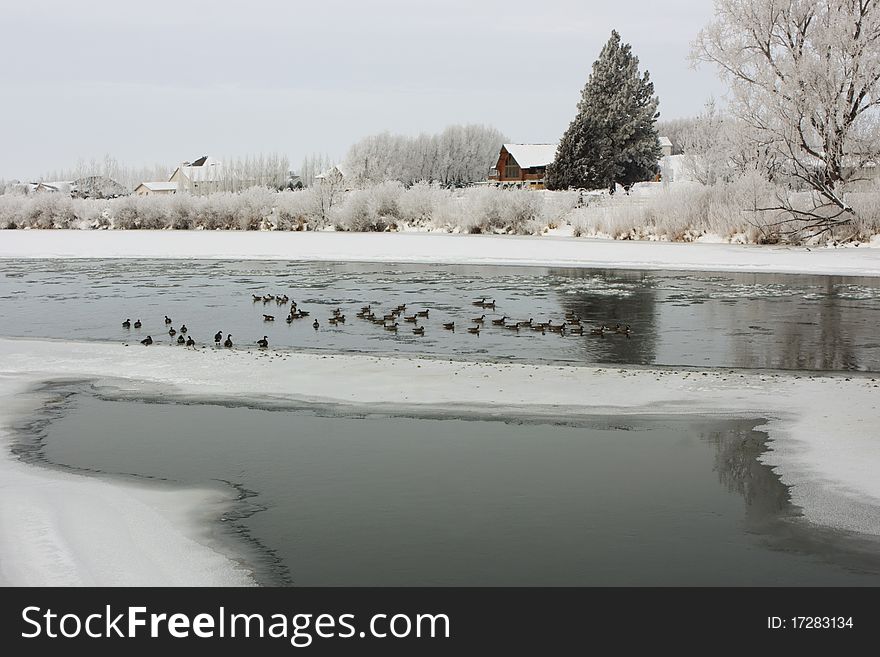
x=804 y=77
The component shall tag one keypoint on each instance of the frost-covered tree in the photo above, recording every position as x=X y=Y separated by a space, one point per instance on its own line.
x=804 y=77
x=457 y=156
x=613 y=137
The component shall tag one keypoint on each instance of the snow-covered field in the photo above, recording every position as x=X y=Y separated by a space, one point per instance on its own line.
x=62 y=528
x=438 y=248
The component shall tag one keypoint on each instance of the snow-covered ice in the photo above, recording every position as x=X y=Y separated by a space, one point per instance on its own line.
x=438 y=248
x=57 y=527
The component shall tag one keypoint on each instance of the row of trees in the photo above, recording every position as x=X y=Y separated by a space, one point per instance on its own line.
x=459 y=155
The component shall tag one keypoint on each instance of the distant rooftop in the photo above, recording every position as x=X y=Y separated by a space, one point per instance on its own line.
x=160 y=186
x=532 y=155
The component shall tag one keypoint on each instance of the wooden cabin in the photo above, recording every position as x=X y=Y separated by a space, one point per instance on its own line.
x=522 y=165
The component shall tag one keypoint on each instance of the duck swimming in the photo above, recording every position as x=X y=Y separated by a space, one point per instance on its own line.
x=167 y=319
x=126 y=324
x=449 y=326
x=147 y=341
x=183 y=328
x=137 y=324
x=181 y=339
x=315 y=325
x=419 y=330
x=479 y=320
x=475 y=330
x=262 y=344
x=268 y=318
x=172 y=332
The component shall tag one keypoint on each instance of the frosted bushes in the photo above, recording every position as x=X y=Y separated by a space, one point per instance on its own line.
x=374 y=208
x=683 y=212
x=490 y=209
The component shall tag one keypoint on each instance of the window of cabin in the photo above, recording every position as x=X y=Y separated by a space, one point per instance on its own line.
x=511 y=170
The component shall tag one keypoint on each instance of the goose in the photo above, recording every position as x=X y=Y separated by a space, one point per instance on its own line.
x=474 y=329
x=392 y=327
x=449 y=326
x=419 y=330
x=625 y=330
x=268 y=318
x=390 y=317
x=577 y=329
x=172 y=332
x=126 y=323
x=303 y=313
x=228 y=341
x=479 y=302
x=218 y=336
x=183 y=328
x=257 y=297
x=340 y=318
x=412 y=319
x=264 y=343
x=479 y=320
x=337 y=311
x=557 y=329
x=538 y=327
x=167 y=319
x=289 y=319
x=378 y=320
x=512 y=327
x=138 y=324
x=598 y=331
x=490 y=304
x=499 y=322
x=190 y=342
x=147 y=341
x=366 y=309
x=267 y=298
x=333 y=320
x=401 y=307
x=315 y=325
x=423 y=313
x=181 y=339
x=360 y=315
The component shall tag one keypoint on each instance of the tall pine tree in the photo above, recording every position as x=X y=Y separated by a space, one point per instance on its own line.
x=613 y=138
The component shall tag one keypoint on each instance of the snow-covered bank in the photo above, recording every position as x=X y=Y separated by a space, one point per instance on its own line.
x=438 y=248
x=64 y=529
x=823 y=434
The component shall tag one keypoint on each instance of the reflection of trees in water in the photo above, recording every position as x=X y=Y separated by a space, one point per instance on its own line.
x=828 y=333
x=635 y=305
x=738 y=468
x=769 y=511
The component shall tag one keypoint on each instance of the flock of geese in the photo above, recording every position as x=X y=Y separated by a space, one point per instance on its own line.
x=390 y=321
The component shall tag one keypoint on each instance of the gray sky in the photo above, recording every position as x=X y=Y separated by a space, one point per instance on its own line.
x=168 y=81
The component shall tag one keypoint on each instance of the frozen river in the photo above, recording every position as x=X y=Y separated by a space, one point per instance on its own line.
x=343 y=496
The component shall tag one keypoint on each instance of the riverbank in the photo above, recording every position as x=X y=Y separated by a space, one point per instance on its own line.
x=62 y=528
x=547 y=251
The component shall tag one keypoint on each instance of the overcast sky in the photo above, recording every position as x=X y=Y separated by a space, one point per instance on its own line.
x=167 y=81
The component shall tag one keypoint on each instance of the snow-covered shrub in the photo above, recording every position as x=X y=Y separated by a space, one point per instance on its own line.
x=295 y=210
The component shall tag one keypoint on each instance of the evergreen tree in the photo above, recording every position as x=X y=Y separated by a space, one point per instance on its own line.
x=613 y=138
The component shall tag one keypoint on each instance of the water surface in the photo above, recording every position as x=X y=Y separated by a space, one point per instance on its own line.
x=678 y=319
x=346 y=497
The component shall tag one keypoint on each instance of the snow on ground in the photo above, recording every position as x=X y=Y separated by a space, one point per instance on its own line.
x=433 y=248
x=64 y=529
x=823 y=432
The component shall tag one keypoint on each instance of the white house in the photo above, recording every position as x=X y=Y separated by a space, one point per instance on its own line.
x=201 y=176
x=161 y=188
